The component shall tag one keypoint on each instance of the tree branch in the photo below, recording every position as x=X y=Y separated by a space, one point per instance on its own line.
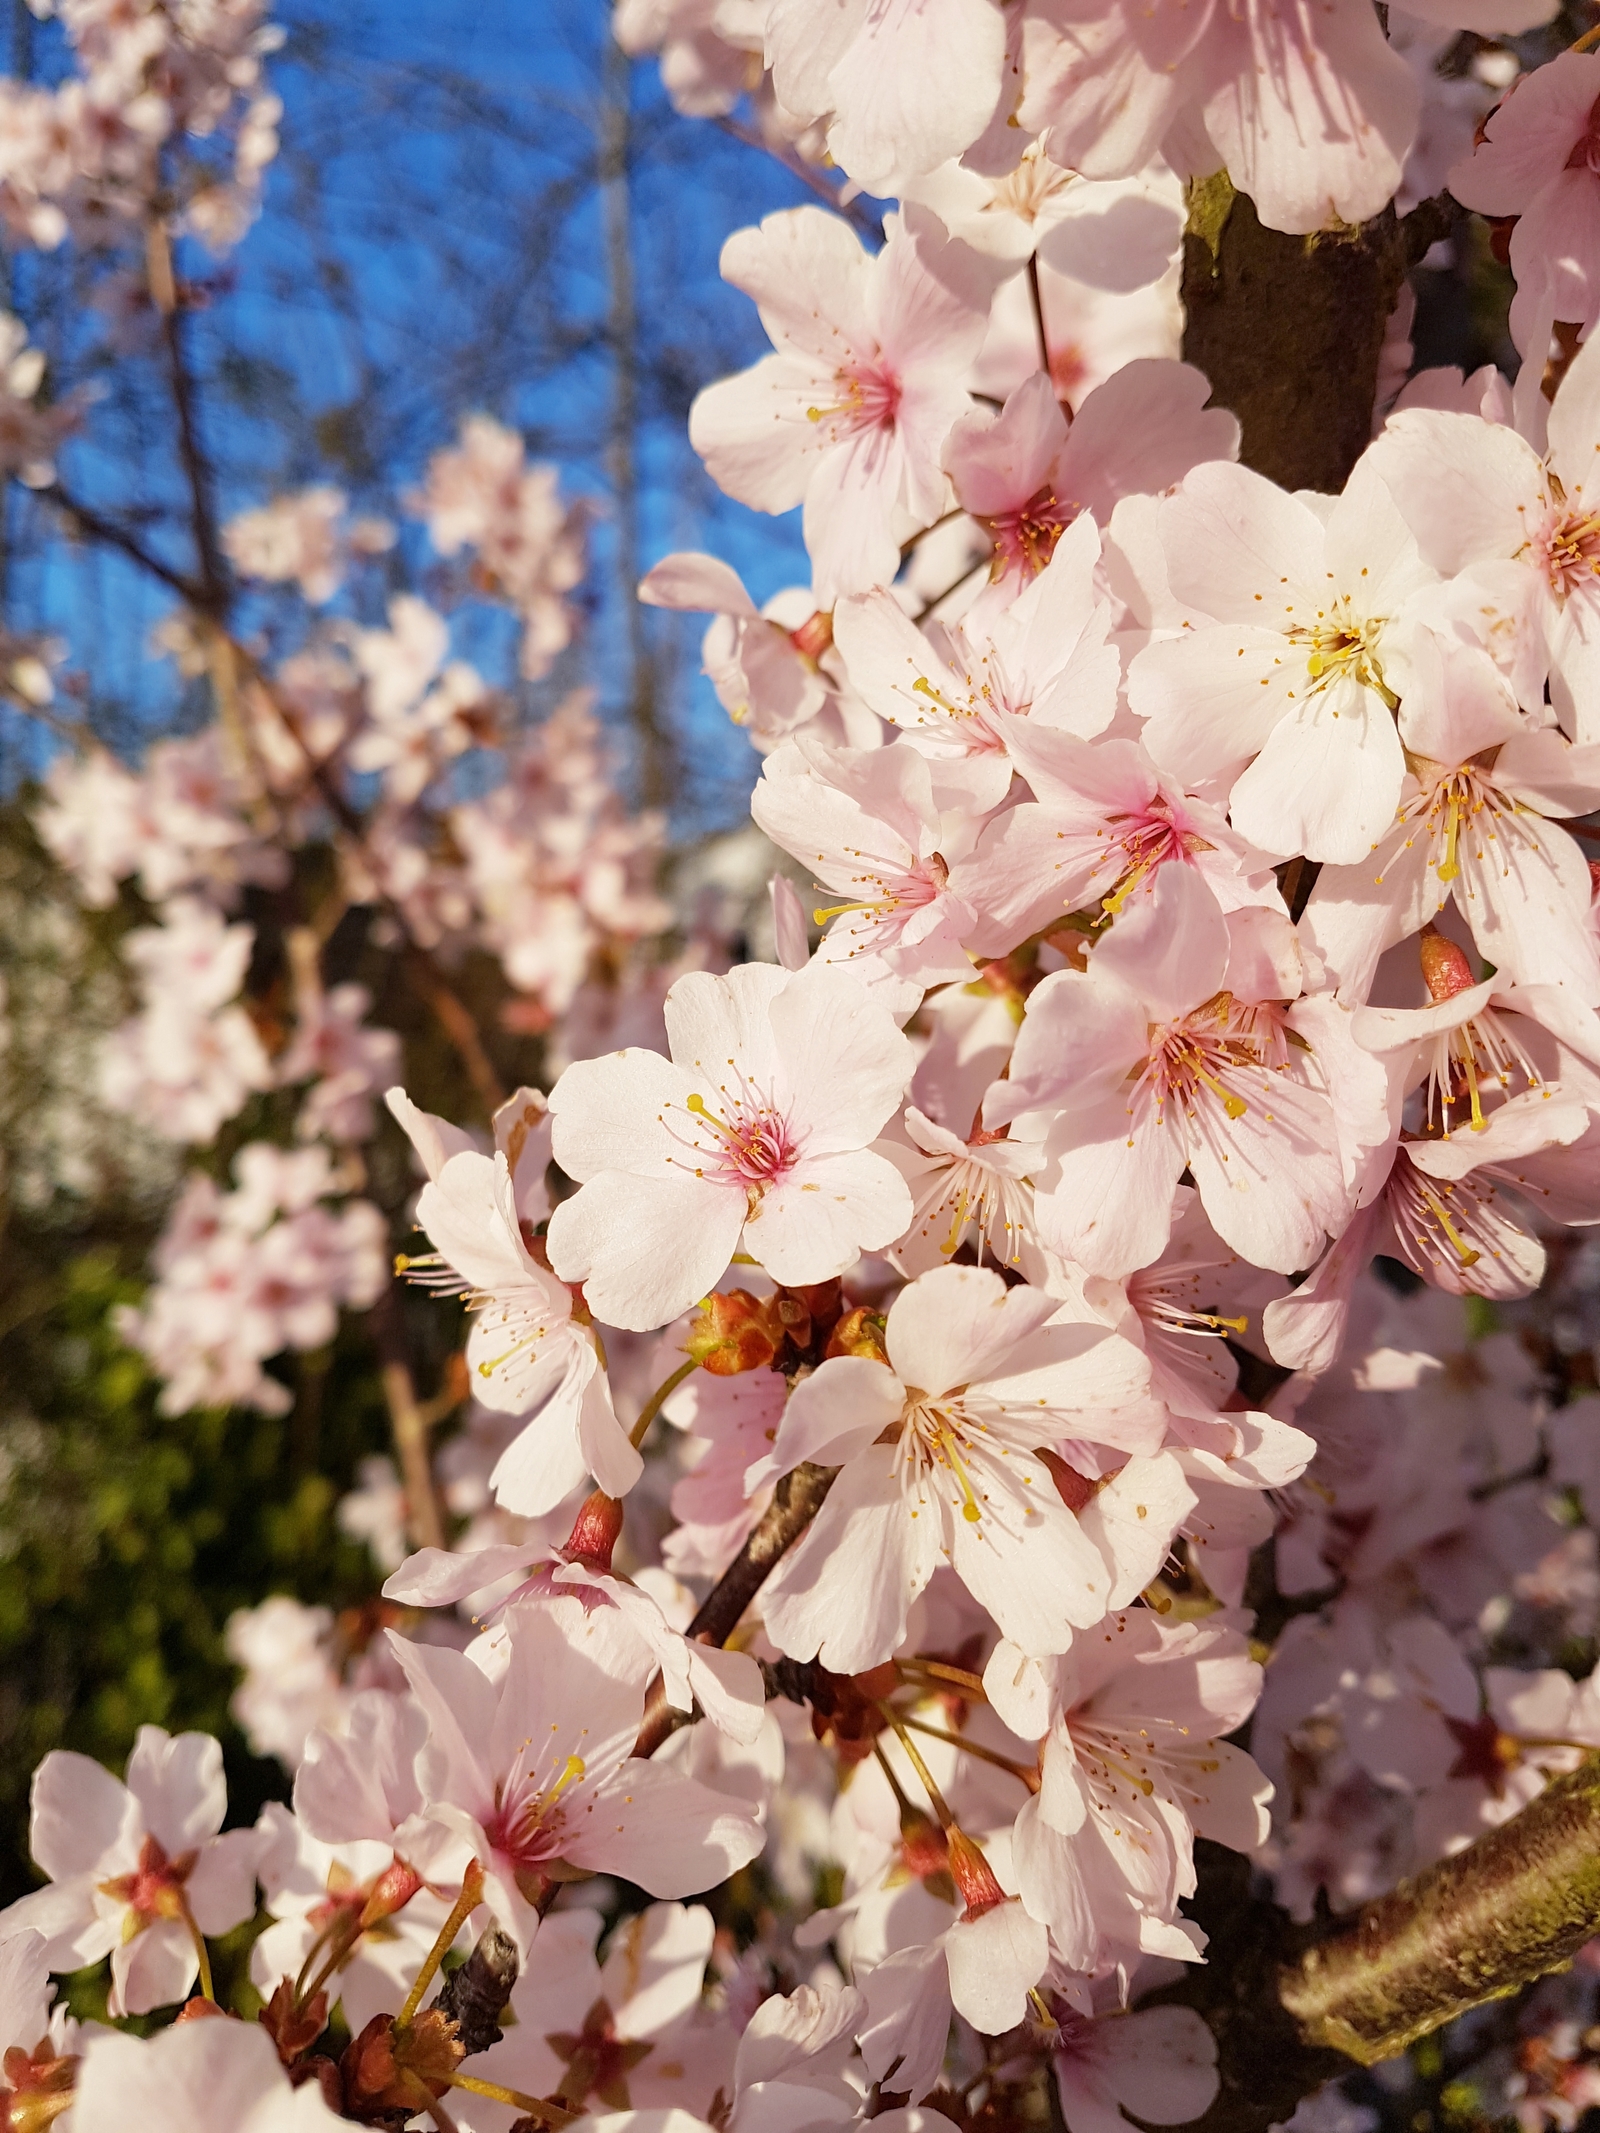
x=1290 y=329
x=795 y=1503
x=1518 y=1903
x=100 y=528
x=852 y=211
x=213 y=582
x=406 y=1421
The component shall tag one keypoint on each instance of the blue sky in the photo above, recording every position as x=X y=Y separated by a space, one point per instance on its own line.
x=430 y=244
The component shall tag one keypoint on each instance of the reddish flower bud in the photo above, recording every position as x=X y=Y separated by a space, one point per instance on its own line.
x=200 y=2009
x=815 y=637
x=1074 y=1489
x=859 y=1332
x=1445 y=969
x=923 y=1851
x=38 y=2088
x=386 y=2069
x=391 y=1892
x=732 y=1333
x=293 y=2028
x=972 y=1874
x=595 y=1531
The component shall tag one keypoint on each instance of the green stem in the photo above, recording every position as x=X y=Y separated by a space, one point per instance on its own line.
x=663 y=1392
x=466 y=1903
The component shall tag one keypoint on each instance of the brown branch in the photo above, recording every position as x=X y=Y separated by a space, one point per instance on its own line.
x=100 y=528
x=1518 y=1903
x=795 y=1503
x=622 y=331
x=1289 y=330
x=856 y=215
x=406 y=1421
x=213 y=582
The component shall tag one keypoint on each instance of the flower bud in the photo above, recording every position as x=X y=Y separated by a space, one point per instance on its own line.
x=815 y=637
x=388 y=2069
x=391 y=1892
x=37 y=2088
x=1445 y=969
x=972 y=1874
x=293 y=2027
x=200 y=2009
x=595 y=1531
x=731 y=1333
x=859 y=1332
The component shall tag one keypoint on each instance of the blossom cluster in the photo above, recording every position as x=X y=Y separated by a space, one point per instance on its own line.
x=92 y=156
x=904 y=1370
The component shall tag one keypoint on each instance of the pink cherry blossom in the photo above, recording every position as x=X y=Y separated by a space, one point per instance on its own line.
x=1025 y=476
x=850 y=414
x=199 y=2077
x=1308 y=109
x=535 y=1771
x=958 y=694
x=1160 y=2063
x=1539 y=160
x=940 y=1460
x=877 y=826
x=1134 y=1767
x=1473 y=827
x=528 y=1353
x=1165 y=1069
x=136 y=1870
x=1278 y=689
x=899 y=88
x=758 y=1129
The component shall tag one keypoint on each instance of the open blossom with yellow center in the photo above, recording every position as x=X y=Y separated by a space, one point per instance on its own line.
x=947 y=1456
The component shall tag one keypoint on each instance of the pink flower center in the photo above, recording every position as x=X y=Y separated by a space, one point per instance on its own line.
x=1586 y=149
x=869 y=399
x=1569 y=550
x=1152 y=839
x=1025 y=539
x=745 y=1141
x=1194 y=1063
x=529 y=1822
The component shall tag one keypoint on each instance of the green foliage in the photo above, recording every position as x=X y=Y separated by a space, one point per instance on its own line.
x=128 y=1537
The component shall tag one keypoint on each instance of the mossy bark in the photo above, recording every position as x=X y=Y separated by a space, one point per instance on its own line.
x=1518 y=1903
x=1289 y=329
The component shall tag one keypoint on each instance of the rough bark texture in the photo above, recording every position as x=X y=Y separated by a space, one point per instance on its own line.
x=1264 y=2065
x=1289 y=329
x=1518 y=1903
x=795 y=1503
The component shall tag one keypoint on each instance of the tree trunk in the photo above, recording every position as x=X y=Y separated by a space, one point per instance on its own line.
x=1289 y=329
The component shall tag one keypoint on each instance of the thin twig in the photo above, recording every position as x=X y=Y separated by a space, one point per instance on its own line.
x=406 y=1421
x=100 y=528
x=856 y=215
x=191 y=452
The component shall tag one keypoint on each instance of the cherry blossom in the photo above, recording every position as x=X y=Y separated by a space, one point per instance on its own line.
x=1536 y=161
x=1473 y=828
x=199 y=2077
x=900 y=89
x=535 y=1771
x=1279 y=688
x=1134 y=1766
x=1496 y=514
x=136 y=1870
x=851 y=412
x=799 y=1072
x=1159 y=2063
x=1168 y=1069
x=528 y=1353
x=940 y=1459
x=1025 y=476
